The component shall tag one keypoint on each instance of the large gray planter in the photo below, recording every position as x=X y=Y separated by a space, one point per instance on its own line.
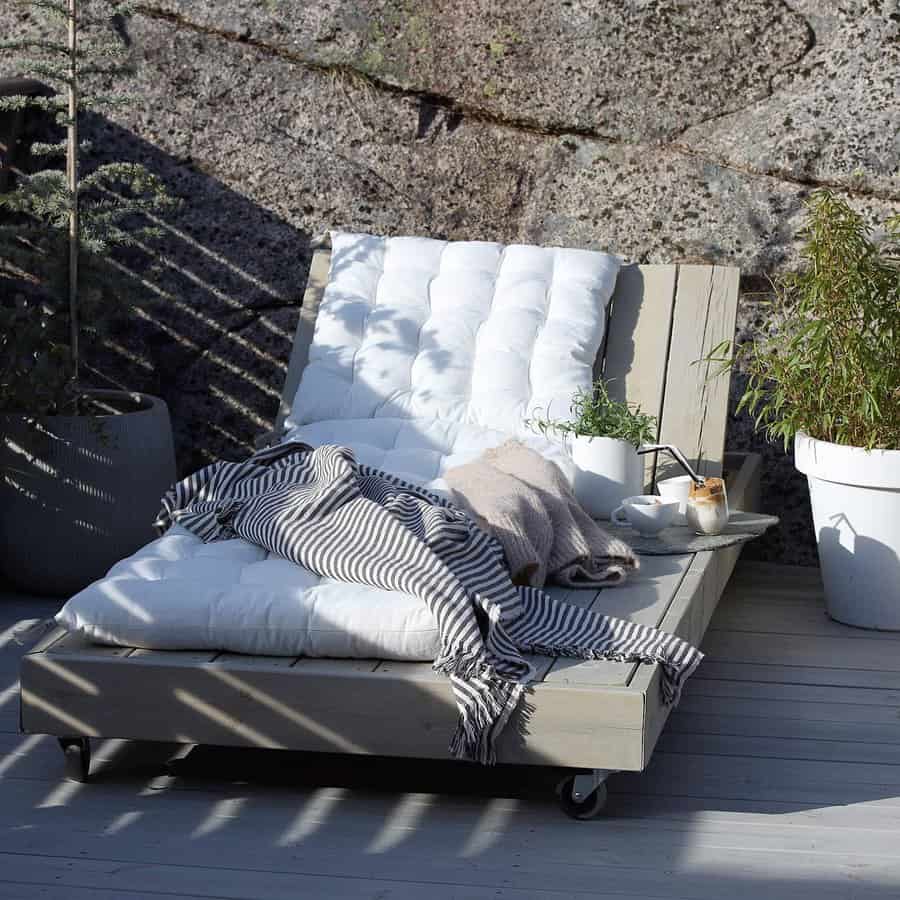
x=80 y=492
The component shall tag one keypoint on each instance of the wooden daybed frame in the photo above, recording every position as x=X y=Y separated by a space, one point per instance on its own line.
x=593 y=717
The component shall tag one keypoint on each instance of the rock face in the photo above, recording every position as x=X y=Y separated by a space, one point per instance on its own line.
x=664 y=130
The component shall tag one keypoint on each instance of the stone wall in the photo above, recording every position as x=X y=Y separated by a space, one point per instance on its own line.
x=665 y=130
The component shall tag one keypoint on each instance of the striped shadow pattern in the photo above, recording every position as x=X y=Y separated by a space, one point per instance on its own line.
x=319 y=508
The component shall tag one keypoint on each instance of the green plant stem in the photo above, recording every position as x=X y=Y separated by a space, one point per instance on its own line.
x=72 y=181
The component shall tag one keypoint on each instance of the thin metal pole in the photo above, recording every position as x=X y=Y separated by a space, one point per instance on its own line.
x=72 y=181
x=679 y=456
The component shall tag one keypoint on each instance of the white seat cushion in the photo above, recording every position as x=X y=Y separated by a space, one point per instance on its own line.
x=469 y=332
x=178 y=593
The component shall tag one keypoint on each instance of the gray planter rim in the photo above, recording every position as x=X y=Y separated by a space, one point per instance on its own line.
x=145 y=404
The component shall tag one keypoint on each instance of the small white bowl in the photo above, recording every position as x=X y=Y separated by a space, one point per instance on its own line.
x=646 y=513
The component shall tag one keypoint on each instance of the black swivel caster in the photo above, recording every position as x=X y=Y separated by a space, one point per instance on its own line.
x=77 y=751
x=576 y=804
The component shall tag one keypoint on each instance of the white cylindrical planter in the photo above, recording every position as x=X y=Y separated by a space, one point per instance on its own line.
x=606 y=472
x=855 y=496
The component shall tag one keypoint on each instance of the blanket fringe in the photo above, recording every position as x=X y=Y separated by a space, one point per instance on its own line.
x=523 y=715
x=476 y=663
x=477 y=731
x=499 y=695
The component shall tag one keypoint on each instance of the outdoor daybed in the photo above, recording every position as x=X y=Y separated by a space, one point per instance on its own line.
x=589 y=718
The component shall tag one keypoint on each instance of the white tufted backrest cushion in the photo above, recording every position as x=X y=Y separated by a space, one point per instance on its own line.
x=471 y=332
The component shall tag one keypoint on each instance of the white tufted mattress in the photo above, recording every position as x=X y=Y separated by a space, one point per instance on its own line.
x=467 y=332
x=420 y=450
x=425 y=354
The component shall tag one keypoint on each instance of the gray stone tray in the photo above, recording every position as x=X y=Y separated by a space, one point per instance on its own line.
x=742 y=526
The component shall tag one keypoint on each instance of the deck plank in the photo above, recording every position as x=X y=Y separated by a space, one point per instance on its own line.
x=17 y=890
x=816 y=675
x=809 y=746
x=807 y=619
x=702 y=686
x=828 y=652
x=771 y=726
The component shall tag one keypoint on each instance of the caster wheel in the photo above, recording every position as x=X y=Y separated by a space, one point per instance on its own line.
x=588 y=807
x=77 y=752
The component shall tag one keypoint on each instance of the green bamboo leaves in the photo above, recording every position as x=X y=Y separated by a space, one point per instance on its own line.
x=828 y=362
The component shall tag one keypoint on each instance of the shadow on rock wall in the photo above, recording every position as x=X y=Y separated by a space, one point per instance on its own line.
x=219 y=299
x=784 y=490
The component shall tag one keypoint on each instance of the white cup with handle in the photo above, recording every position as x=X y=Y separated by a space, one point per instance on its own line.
x=646 y=513
x=677 y=488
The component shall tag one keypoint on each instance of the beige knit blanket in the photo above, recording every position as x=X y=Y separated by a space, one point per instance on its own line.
x=524 y=500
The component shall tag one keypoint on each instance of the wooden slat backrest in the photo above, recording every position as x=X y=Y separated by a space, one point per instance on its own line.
x=695 y=406
x=663 y=320
x=637 y=340
x=315 y=287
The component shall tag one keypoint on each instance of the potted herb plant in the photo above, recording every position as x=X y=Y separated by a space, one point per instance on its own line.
x=826 y=374
x=604 y=436
x=82 y=469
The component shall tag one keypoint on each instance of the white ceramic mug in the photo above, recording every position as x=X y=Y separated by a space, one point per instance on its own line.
x=646 y=513
x=677 y=488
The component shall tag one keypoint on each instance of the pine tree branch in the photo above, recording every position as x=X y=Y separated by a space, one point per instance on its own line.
x=97 y=102
x=24 y=101
x=52 y=7
x=103 y=48
x=40 y=148
x=33 y=44
x=126 y=68
x=44 y=69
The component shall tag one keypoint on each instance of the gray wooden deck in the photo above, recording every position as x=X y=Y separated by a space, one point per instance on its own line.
x=778 y=777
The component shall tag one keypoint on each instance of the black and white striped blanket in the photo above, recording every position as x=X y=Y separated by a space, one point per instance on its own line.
x=321 y=509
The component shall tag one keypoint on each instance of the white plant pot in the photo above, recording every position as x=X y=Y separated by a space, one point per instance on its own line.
x=606 y=472
x=855 y=497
